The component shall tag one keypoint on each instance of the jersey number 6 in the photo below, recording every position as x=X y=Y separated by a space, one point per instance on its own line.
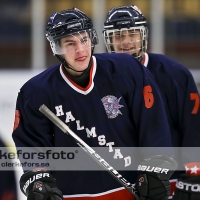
x=148 y=96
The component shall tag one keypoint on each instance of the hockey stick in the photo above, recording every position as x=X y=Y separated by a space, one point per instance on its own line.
x=49 y=114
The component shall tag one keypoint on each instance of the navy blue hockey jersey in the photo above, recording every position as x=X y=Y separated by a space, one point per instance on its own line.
x=181 y=99
x=121 y=106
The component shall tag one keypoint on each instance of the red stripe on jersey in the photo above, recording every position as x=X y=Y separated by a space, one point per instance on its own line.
x=121 y=194
x=144 y=58
x=172 y=186
x=76 y=85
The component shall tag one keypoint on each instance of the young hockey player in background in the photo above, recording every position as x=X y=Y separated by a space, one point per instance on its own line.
x=125 y=31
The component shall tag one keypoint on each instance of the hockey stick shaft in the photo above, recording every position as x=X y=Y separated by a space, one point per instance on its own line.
x=50 y=115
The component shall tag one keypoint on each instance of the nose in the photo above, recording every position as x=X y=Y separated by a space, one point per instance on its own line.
x=126 y=39
x=79 y=46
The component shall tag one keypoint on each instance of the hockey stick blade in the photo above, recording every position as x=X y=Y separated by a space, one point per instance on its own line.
x=51 y=116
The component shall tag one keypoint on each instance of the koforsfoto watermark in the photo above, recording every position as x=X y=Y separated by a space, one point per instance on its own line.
x=48 y=154
x=34 y=157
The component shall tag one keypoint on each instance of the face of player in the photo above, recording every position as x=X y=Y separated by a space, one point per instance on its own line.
x=127 y=41
x=77 y=51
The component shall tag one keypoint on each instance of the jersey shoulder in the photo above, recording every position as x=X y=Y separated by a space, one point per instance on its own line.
x=41 y=81
x=122 y=64
x=168 y=66
x=42 y=78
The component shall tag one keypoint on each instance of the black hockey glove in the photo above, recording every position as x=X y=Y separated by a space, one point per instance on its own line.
x=39 y=185
x=187 y=188
x=153 y=177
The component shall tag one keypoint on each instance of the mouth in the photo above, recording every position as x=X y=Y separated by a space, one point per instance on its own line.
x=81 y=58
x=127 y=50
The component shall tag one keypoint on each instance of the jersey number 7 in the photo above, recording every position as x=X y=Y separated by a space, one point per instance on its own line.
x=195 y=98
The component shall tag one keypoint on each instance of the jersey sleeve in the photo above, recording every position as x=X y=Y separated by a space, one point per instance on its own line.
x=150 y=115
x=189 y=118
x=147 y=110
x=181 y=99
x=31 y=128
x=32 y=131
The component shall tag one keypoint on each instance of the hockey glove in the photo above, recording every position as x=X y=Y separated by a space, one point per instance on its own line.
x=39 y=185
x=153 y=177
x=187 y=188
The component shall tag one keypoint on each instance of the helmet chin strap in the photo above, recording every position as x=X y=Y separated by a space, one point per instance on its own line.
x=82 y=79
x=138 y=56
x=66 y=65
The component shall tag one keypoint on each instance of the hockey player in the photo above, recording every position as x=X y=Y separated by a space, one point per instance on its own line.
x=125 y=31
x=106 y=102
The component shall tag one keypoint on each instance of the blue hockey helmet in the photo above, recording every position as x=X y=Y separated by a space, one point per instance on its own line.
x=66 y=23
x=125 y=18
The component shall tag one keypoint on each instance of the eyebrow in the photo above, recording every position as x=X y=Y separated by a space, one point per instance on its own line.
x=69 y=40
x=74 y=40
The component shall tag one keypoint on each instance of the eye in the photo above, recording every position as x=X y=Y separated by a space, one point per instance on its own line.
x=70 y=44
x=84 y=40
x=117 y=34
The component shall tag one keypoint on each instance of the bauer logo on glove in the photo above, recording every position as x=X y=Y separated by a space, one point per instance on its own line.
x=153 y=177
x=33 y=178
x=38 y=185
x=152 y=169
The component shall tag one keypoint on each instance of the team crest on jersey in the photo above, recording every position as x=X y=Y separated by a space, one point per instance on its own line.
x=112 y=106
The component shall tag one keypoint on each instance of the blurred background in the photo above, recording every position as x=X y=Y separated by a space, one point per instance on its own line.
x=22 y=37
x=174 y=30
